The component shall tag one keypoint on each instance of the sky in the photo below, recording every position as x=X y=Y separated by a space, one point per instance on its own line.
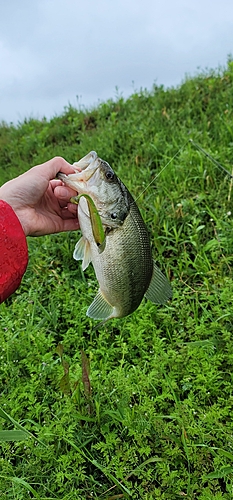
x=56 y=53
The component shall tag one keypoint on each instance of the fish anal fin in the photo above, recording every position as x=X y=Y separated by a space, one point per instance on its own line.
x=100 y=308
x=159 y=290
x=82 y=252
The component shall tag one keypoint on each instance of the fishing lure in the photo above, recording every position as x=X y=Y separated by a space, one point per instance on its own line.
x=96 y=224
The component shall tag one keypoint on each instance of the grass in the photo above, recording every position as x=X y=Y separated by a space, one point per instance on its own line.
x=142 y=407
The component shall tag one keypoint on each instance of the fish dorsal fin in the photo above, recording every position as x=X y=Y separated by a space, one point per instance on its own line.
x=82 y=252
x=100 y=308
x=159 y=290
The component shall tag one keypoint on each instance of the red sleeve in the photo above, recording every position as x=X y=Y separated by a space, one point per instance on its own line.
x=13 y=251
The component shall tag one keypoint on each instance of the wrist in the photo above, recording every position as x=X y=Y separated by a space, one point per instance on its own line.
x=23 y=219
x=6 y=196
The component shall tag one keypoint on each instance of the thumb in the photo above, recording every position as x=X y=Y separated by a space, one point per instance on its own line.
x=64 y=193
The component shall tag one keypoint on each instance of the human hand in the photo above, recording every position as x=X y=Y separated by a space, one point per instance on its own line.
x=40 y=201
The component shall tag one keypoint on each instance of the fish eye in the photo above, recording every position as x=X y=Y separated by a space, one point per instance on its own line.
x=113 y=215
x=109 y=175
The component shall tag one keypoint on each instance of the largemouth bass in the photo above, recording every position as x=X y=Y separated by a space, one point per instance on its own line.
x=124 y=266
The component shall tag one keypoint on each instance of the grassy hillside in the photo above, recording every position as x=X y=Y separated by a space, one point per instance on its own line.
x=156 y=422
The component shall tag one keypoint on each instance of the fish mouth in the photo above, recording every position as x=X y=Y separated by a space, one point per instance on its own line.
x=84 y=170
x=86 y=161
x=87 y=165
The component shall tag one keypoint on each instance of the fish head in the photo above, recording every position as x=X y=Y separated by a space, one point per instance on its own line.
x=110 y=195
x=95 y=177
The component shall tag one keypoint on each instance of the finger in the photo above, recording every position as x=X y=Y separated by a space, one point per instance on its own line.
x=72 y=207
x=50 y=168
x=67 y=215
x=64 y=193
x=70 y=225
x=55 y=183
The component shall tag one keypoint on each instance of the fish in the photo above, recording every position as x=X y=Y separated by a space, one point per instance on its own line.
x=123 y=262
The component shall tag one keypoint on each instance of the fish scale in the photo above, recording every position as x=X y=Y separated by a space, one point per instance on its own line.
x=130 y=271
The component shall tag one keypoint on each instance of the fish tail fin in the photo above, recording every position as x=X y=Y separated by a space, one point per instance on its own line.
x=100 y=308
x=159 y=290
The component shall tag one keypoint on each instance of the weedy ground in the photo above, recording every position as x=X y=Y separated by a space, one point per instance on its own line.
x=142 y=407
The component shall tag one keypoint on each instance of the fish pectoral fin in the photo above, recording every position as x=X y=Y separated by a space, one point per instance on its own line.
x=159 y=290
x=82 y=252
x=100 y=308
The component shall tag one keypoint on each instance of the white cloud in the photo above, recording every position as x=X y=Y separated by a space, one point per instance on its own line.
x=53 y=50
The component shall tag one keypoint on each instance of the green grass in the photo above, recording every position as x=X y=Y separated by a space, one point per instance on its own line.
x=142 y=407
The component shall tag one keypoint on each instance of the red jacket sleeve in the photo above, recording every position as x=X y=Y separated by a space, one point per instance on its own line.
x=13 y=251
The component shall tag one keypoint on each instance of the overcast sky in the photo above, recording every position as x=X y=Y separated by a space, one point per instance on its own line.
x=56 y=52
